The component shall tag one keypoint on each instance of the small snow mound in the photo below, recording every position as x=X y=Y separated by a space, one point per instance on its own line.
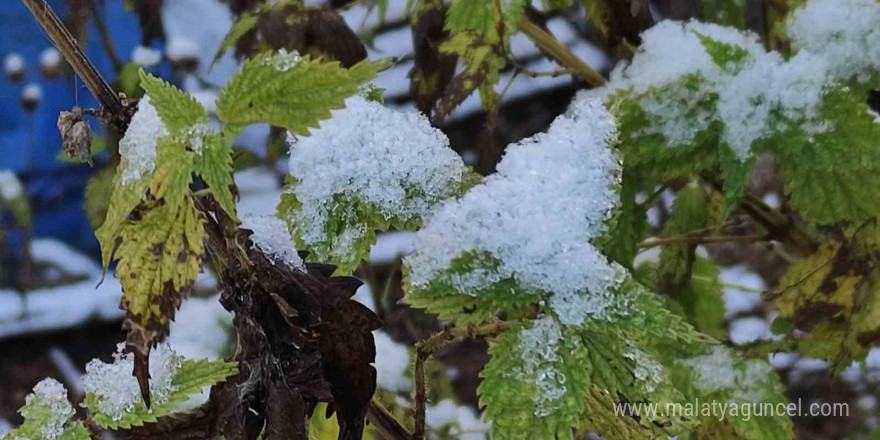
x=138 y=146
x=49 y=403
x=181 y=48
x=50 y=58
x=553 y=193
x=117 y=389
x=32 y=92
x=271 y=236
x=393 y=162
x=13 y=64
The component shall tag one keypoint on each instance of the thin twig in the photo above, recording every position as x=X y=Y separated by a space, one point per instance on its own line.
x=81 y=65
x=109 y=47
x=703 y=240
x=560 y=52
x=381 y=418
x=421 y=398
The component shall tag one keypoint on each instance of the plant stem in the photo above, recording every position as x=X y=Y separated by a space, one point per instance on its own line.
x=385 y=421
x=560 y=52
x=81 y=65
x=109 y=47
x=703 y=240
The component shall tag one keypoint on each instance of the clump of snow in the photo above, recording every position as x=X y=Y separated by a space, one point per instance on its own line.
x=32 y=92
x=717 y=370
x=10 y=186
x=394 y=162
x=553 y=193
x=835 y=41
x=283 y=60
x=13 y=64
x=464 y=421
x=146 y=56
x=845 y=33
x=271 y=236
x=49 y=406
x=182 y=48
x=138 y=146
x=116 y=388
x=50 y=58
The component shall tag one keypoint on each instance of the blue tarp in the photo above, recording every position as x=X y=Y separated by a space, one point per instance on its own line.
x=29 y=141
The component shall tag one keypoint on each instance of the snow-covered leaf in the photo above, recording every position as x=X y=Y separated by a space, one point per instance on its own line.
x=113 y=396
x=48 y=415
x=179 y=111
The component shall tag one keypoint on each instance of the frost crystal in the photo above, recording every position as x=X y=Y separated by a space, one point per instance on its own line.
x=49 y=408
x=646 y=370
x=719 y=371
x=116 y=388
x=271 y=236
x=835 y=40
x=283 y=60
x=138 y=146
x=539 y=346
x=10 y=186
x=553 y=193
x=369 y=157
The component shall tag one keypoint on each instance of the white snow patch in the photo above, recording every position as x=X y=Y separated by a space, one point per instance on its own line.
x=271 y=237
x=48 y=403
x=182 y=48
x=466 y=425
x=138 y=146
x=146 y=56
x=117 y=389
x=750 y=329
x=539 y=347
x=392 y=364
x=736 y=300
x=716 y=371
x=552 y=194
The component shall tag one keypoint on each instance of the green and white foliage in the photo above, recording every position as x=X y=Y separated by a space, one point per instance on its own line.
x=48 y=415
x=525 y=235
x=698 y=94
x=114 y=398
x=366 y=168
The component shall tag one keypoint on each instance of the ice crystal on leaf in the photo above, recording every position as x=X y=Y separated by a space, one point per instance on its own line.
x=138 y=145
x=532 y=222
x=366 y=168
x=117 y=391
x=48 y=403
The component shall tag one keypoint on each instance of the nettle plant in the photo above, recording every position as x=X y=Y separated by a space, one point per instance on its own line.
x=538 y=257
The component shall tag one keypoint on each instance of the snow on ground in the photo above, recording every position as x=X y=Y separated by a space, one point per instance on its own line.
x=466 y=424
x=737 y=300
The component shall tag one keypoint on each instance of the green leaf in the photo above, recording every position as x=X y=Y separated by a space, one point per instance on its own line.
x=243 y=25
x=703 y=299
x=214 y=165
x=597 y=13
x=720 y=375
x=536 y=383
x=179 y=111
x=99 y=191
x=472 y=15
x=832 y=168
x=689 y=213
x=191 y=378
x=736 y=174
x=123 y=201
x=552 y=5
x=441 y=296
x=289 y=91
x=629 y=225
